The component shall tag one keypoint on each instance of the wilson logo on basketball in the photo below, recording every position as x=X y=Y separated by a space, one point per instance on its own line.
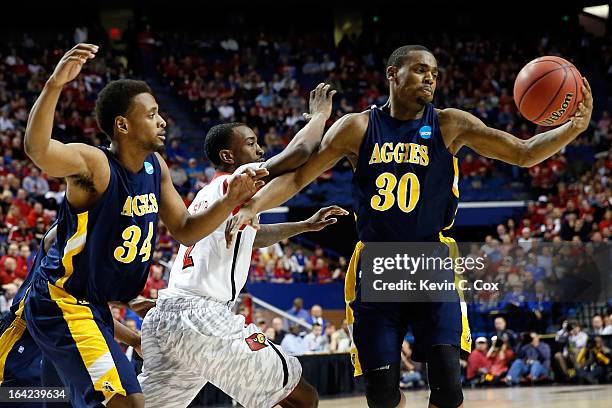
x=256 y=341
x=556 y=115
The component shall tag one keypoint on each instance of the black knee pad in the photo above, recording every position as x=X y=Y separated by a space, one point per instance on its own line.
x=382 y=387
x=444 y=374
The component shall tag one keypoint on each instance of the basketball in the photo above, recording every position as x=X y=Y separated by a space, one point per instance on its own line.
x=547 y=90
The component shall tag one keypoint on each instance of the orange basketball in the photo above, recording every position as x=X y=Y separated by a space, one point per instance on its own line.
x=547 y=90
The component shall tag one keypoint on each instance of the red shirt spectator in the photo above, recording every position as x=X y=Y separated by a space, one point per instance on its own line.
x=478 y=362
x=155 y=281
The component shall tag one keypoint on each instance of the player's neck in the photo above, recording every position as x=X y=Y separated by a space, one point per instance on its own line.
x=227 y=169
x=130 y=157
x=406 y=111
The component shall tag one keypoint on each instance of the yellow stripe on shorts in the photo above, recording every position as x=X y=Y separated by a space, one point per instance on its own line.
x=90 y=342
x=11 y=335
x=350 y=293
x=466 y=335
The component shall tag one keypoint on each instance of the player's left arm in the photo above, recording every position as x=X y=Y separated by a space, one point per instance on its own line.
x=461 y=128
x=190 y=228
x=307 y=140
x=270 y=234
x=128 y=336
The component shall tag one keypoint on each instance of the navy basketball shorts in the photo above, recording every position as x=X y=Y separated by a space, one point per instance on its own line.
x=78 y=338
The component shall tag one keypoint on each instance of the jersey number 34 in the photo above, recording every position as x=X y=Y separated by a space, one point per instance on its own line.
x=127 y=251
x=406 y=195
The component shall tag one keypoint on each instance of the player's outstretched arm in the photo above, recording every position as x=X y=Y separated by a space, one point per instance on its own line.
x=341 y=140
x=53 y=157
x=270 y=234
x=308 y=138
x=465 y=129
x=127 y=336
x=190 y=228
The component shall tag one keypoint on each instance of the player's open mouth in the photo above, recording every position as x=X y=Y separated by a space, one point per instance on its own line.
x=428 y=91
x=162 y=136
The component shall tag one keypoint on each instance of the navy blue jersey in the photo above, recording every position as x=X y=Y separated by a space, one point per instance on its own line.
x=405 y=183
x=23 y=289
x=104 y=254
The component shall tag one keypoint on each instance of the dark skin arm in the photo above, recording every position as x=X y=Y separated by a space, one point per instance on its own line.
x=308 y=138
x=270 y=234
x=127 y=336
x=85 y=167
x=341 y=140
x=461 y=128
x=190 y=228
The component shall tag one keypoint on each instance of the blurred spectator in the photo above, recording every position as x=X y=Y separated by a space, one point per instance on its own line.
x=593 y=362
x=573 y=339
x=293 y=344
x=35 y=184
x=533 y=360
x=341 y=339
x=500 y=355
x=155 y=281
x=316 y=316
x=478 y=364
x=411 y=375
x=6 y=299
x=297 y=311
x=597 y=325
x=316 y=341
x=279 y=333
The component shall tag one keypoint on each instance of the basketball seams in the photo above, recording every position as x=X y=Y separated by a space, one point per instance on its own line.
x=535 y=81
x=552 y=100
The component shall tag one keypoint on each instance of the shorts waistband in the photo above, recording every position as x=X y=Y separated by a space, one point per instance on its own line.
x=182 y=303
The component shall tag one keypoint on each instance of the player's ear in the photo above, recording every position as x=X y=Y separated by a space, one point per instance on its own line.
x=391 y=72
x=226 y=156
x=121 y=124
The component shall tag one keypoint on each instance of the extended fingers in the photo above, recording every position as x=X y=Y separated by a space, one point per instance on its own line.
x=260 y=173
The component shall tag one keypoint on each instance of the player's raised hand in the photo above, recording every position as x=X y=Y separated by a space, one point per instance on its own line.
x=321 y=100
x=581 y=119
x=321 y=218
x=246 y=216
x=243 y=186
x=71 y=63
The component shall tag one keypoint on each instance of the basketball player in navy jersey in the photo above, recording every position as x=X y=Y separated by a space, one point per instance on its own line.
x=405 y=189
x=106 y=228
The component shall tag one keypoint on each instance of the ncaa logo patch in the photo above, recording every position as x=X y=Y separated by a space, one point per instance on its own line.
x=425 y=132
x=148 y=167
x=256 y=341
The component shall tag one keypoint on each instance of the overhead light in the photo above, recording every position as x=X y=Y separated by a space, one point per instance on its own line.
x=599 y=11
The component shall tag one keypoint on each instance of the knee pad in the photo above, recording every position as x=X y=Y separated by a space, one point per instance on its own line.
x=382 y=387
x=444 y=373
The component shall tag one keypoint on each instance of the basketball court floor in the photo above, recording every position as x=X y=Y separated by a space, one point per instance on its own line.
x=595 y=396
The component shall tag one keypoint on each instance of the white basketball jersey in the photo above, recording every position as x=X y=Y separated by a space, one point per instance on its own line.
x=208 y=268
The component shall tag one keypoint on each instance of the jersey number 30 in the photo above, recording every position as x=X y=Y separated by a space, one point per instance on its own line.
x=126 y=253
x=408 y=192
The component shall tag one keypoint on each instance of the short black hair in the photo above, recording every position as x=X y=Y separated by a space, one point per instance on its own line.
x=218 y=138
x=115 y=99
x=397 y=57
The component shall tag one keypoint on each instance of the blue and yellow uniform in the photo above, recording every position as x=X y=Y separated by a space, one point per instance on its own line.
x=404 y=190
x=20 y=357
x=99 y=255
x=21 y=361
